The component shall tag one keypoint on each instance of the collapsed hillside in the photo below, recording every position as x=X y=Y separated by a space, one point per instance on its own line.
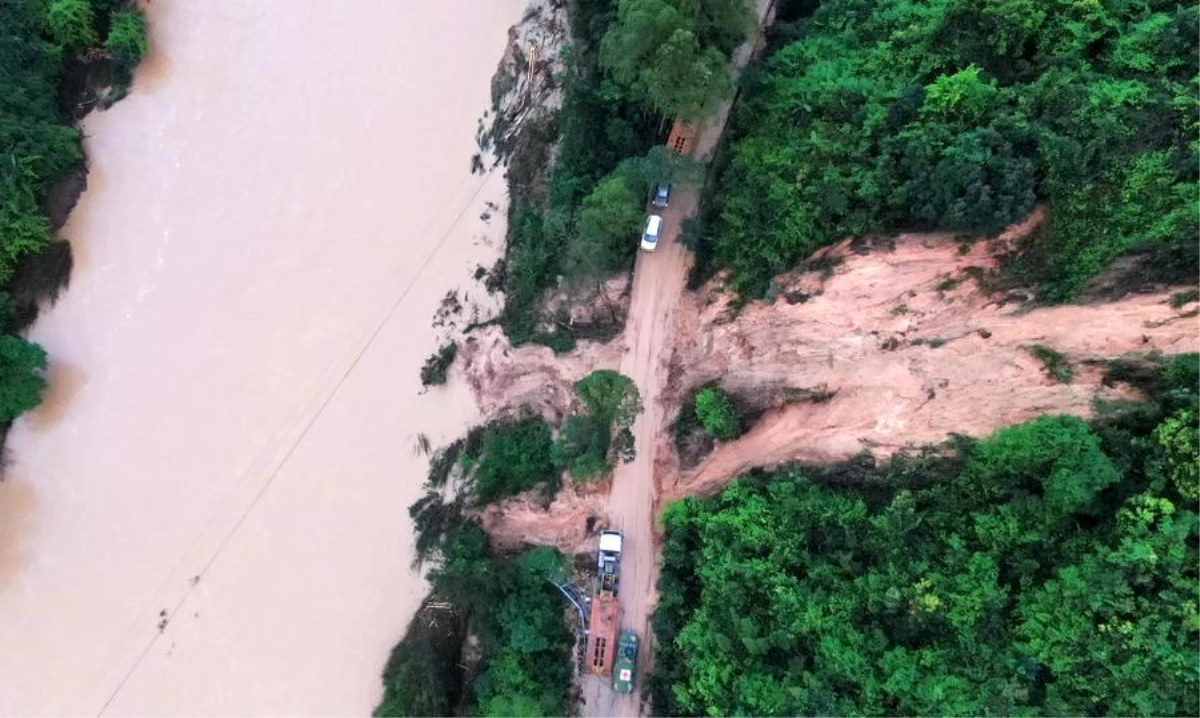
x=900 y=344
x=870 y=346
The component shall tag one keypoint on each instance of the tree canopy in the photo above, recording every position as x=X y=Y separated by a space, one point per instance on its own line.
x=717 y=414
x=1050 y=569
x=515 y=457
x=886 y=115
x=676 y=53
x=592 y=441
x=599 y=126
x=41 y=43
x=507 y=603
x=21 y=380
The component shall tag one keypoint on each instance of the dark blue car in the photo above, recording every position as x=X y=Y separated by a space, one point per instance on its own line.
x=662 y=192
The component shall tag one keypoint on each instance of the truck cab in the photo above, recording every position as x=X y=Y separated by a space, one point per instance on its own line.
x=608 y=564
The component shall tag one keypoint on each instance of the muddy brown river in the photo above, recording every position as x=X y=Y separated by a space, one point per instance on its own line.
x=208 y=515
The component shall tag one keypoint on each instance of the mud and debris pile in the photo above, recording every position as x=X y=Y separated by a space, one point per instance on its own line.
x=505 y=379
x=897 y=345
x=525 y=87
x=870 y=346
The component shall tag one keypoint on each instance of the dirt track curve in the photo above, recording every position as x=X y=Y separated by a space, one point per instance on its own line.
x=658 y=284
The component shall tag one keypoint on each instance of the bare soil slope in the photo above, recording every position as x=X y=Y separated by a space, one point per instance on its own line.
x=896 y=339
x=906 y=347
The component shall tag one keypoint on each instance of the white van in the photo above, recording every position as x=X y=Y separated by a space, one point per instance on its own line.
x=650 y=236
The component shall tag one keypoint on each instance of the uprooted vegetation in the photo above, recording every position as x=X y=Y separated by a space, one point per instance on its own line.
x=434 y=371
x=1057 y=365
x=710 y=413
x=1048 y=569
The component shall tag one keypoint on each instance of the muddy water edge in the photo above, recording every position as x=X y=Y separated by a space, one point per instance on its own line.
x=208 y=515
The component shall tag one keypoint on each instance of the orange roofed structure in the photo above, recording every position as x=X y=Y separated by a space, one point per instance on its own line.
x=680 y=139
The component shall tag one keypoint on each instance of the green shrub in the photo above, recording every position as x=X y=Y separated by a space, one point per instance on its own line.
x=1177 y=444
x=514 y=457
x=1180 y=299
x=598 y=127
x=591 y=443
x=423 y=675
x=71 y=23
x=21 y=381
x=1039 y=576
x=36 y=150
x=127 y=40
x=891 y=115
x=674 y=52
x=581 y=448
x=717 y=414
x=509 y=606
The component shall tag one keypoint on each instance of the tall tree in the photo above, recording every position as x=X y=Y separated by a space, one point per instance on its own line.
x=675 y=52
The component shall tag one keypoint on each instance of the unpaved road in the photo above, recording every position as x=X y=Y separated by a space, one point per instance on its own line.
x=658 y=283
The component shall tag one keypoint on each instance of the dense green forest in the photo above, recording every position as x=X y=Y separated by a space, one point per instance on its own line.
x=519 y=663
x=1050 y=569
x=58 y=58
x=874 y=116
x=491 y=639
x=631 y=68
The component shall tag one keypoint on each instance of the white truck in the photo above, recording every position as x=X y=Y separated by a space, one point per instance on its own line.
x=606 y=611
x=608 y=564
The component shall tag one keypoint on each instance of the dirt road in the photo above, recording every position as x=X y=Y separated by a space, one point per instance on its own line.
x=658 y=283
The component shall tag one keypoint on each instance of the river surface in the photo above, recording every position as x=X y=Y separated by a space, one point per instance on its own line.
x=208 y=515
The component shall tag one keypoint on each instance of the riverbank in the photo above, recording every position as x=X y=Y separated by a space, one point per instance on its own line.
x=235 y=378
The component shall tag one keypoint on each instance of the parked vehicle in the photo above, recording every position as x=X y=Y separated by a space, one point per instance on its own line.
x=608 y=564
x=653 y=229
x=625 y=667
x=605 y=610
x=662 y=193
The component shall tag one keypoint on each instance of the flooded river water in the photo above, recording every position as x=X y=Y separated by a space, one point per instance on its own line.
x=208 y=515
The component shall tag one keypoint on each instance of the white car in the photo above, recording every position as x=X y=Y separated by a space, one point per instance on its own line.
x=653 y=229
